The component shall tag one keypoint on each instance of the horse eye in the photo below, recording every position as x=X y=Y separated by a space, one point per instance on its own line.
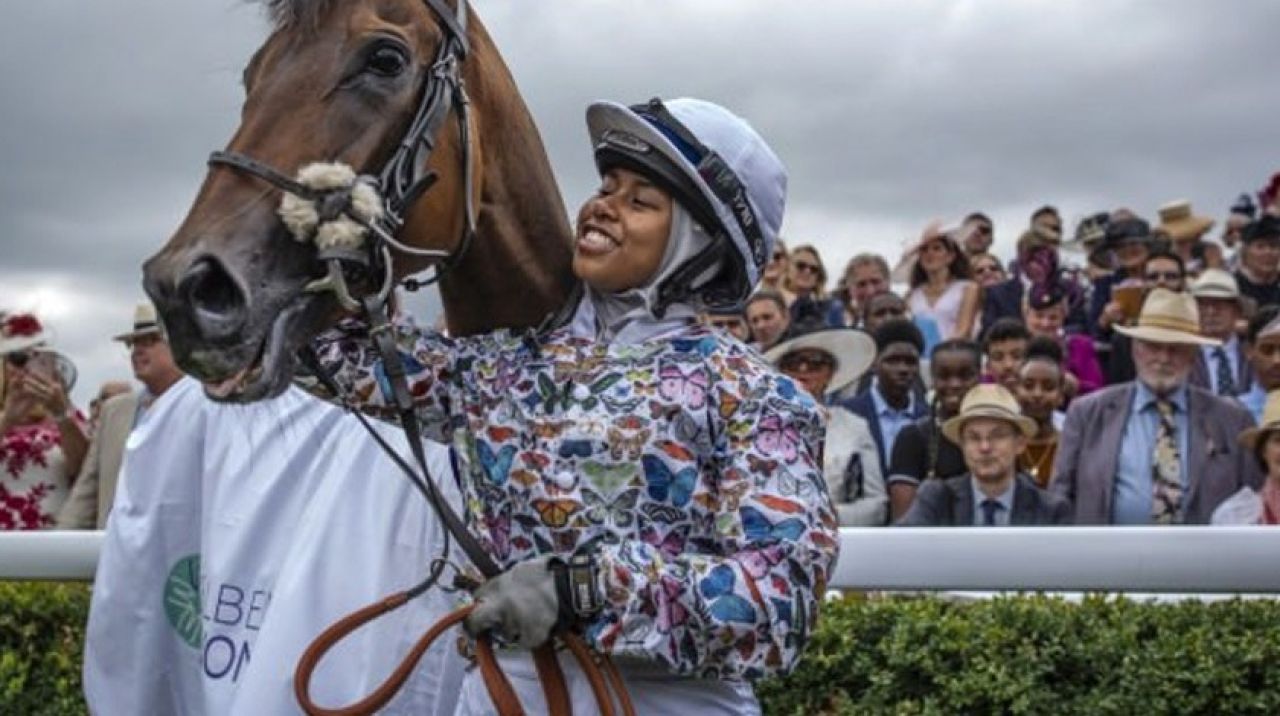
x=387 y=61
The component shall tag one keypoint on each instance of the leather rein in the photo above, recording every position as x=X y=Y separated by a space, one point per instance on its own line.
x=401 y=182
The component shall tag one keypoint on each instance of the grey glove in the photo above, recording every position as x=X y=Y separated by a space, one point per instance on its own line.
x=528 y=601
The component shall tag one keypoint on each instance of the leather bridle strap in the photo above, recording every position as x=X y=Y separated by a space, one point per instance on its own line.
x=601 y=676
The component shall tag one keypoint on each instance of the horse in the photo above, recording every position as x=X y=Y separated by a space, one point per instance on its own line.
x=345 y=81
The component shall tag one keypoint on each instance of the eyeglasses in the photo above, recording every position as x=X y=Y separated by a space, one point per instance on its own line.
x=715 y=171
x=805 y=266
x=805 y=362
x=1162 y=276
x=17 y=359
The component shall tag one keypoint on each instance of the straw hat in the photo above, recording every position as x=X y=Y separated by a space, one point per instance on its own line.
x=852 y=349
x=1169 y=317
x=1180 y=223
x=988 y=401
x=20 y=331
x=1270 y=422
x=1216 y=283
x=144 y=323
x=954 y=238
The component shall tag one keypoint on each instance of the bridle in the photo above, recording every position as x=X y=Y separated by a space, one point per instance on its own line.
x=401 y=182
x=403 y=179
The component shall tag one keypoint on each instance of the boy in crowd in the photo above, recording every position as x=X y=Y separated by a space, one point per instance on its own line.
x=891 y=401
x=1005 y=345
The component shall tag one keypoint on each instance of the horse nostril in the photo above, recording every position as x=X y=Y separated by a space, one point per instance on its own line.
x=217 y=304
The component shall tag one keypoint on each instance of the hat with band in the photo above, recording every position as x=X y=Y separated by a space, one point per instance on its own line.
x=990 y=401
x=1169 y=317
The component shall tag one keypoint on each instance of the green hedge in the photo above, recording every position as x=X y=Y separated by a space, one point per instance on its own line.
x=41 y=632
x=1037 y=655
x=1023 y=655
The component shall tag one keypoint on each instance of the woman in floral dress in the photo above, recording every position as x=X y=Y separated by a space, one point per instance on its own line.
x=42 y=439
x=670 y=466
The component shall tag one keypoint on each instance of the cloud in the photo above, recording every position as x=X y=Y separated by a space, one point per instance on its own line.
x=886 y=114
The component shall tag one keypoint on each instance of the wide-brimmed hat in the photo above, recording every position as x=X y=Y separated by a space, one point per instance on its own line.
x=1270 y=422
x=1169 y=317
x=1266 y=227
x=852 y=349
x=1090 y=232
x=20 y=331
x=1130 y=230
x=1216 y=283
x=953 y=237
x=144 y=323
x=1180 y=222
x=988 y=401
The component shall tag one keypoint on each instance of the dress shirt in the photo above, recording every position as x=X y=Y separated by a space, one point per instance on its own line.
x=1005 y=499
x=891 y=420
x=1254 y=401
x=1231 y=349
x=1131 y=503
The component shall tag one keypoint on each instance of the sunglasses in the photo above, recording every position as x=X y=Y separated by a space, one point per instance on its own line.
x=804 y=266
x=1157 y=276
x=17 y=359
x=986 y=268
x=715 y=171
x=805 y=362
x=779 y=255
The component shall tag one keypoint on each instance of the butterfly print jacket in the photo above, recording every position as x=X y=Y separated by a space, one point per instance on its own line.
x=688 y=466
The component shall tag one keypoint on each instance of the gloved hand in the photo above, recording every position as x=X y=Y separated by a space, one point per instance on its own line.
x=524 y=604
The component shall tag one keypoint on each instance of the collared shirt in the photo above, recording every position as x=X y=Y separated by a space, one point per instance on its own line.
x=1131 y=496
x=1254 y=401
x=891 y=420
x=1231 y=352
x=1005 y=499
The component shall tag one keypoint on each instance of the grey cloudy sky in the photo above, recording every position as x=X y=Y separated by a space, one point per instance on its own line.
x=887 y=114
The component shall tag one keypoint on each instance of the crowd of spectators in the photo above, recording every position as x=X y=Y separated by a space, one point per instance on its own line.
x=1120 y=374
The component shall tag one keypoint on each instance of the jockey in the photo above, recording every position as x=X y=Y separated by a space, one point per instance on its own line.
x=626 y=447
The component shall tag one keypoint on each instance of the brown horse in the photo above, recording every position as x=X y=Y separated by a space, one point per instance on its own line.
x=342 y=81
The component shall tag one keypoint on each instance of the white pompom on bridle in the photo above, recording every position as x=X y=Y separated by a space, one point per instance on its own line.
x=302 y=216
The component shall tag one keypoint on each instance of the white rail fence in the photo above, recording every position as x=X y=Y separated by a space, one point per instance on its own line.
x=1201 y=560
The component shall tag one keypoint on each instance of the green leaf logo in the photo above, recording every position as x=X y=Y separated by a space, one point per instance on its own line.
x=182 y=600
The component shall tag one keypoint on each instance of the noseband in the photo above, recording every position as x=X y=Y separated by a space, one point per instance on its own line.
x=402 y=180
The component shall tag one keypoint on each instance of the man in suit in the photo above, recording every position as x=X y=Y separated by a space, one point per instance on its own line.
x=94 y=490
x=1223 y=370
x=1156 y=450
x=992 y=432
x=891 y=402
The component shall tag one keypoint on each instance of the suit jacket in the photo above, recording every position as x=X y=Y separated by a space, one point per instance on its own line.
x=949 y=503
x=1084 y=471
x=864 y=406
x=91 y=496
x=1200 y=371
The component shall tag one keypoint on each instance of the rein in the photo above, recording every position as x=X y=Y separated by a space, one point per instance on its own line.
x=318 y=201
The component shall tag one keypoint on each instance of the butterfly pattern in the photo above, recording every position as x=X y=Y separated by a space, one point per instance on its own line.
x=687 y=465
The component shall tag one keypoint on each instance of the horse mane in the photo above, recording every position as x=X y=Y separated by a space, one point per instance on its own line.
x=296 y=13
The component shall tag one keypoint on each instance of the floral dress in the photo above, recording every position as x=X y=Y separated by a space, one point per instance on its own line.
x=33 y=479
x=687 y=465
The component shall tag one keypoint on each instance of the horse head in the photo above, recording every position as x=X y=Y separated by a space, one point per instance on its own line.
x=344 y=82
